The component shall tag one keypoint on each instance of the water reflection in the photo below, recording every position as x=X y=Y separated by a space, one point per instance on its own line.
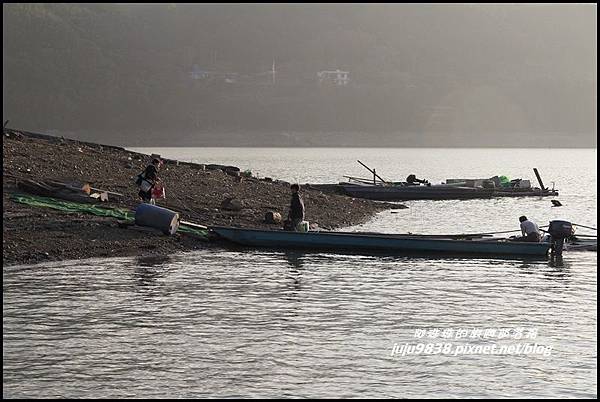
x=556 y=260
x=149 y=268
x=560 y=272
x=295 y=262
x=552 y=269
x=295 y=258
x=247 y=314
x=153 y=260
x=560 y=269
x=531 y=266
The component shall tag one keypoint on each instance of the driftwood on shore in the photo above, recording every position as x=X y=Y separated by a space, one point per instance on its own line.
x=64 y=191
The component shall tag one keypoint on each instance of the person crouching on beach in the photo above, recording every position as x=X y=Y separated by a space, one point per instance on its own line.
x=296 y=214
x=147 y=179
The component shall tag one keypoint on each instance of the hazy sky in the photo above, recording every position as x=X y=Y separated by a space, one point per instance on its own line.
x=418 y=74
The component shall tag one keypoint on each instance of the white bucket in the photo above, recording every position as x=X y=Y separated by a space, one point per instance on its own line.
x=145 y=186
x=303 y=227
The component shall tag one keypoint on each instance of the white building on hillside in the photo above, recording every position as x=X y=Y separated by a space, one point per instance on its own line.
x=198 y=74
x=336 y=77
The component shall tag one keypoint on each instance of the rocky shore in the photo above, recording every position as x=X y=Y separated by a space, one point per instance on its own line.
x=34 y=234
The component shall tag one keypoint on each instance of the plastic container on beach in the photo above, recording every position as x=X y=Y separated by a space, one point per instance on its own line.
x=163 y=219
x=303 y=227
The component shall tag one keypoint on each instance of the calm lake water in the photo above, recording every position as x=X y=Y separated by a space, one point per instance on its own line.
x=259 y=323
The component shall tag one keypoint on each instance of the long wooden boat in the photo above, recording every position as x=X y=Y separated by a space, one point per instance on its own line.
x=433 y=192
x=379 y=189
x=522 y=188
x=582 y=244
x=379 y=243
x=524 y=192
x=413 y=192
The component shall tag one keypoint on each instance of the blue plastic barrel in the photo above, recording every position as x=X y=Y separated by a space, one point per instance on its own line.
x=163 y=219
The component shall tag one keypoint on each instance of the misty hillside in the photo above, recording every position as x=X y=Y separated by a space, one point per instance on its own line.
x=419 y=74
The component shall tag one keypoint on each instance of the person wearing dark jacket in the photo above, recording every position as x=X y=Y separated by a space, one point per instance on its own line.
x=296 y=214
x=412 y=179
x=149 y=179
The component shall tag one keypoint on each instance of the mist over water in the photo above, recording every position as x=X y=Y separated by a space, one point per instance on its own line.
x=304 y=74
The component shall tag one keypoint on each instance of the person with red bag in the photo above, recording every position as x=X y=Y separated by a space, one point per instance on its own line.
x=147 y=180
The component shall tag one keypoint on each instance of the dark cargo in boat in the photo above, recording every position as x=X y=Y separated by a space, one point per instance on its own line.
x=561 y=229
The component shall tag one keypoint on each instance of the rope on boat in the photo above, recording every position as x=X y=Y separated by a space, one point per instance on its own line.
x=505 y=231
x=582 y=226
x=541 y=228
x=491 y=233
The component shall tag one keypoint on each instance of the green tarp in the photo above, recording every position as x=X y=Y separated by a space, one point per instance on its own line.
x=69 y=206
x=504 y=181
x=197 y=232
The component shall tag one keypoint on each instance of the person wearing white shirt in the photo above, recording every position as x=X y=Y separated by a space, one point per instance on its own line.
x=530 y=230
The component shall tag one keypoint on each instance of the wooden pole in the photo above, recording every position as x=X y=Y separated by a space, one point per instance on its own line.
x=194 y=225
x=106 y=191
x=358 y=179
x=372 y=171
x=539 y=179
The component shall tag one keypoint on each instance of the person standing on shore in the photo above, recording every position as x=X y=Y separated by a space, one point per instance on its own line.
x=296 y=214
x=148 y=179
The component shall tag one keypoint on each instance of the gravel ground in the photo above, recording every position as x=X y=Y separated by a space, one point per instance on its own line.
x=40 y=234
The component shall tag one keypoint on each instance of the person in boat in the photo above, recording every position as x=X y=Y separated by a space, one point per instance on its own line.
x=296 y=213
x=529 y=230
x=412 y=179
x=148 y=179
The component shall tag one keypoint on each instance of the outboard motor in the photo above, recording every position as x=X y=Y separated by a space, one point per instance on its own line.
x=560 y=230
